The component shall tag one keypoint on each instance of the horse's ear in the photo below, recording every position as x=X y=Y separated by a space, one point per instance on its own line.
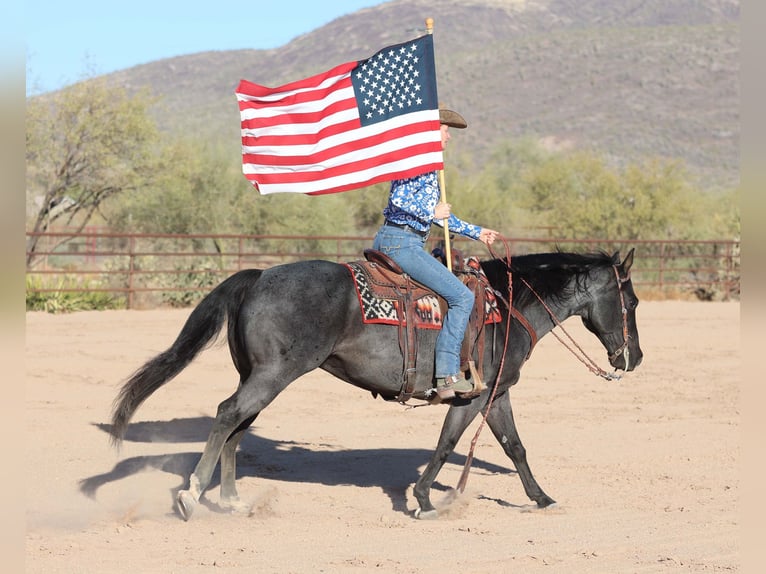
x=628 y=262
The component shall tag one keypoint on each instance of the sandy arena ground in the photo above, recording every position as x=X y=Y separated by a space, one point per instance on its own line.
x=645 y=470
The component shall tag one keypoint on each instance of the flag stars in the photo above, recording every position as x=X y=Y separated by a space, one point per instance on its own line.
x=388 y=82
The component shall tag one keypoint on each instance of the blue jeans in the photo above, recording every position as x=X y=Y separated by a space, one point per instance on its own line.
x=407 y=249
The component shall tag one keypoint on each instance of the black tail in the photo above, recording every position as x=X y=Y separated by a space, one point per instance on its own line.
x=199 y=331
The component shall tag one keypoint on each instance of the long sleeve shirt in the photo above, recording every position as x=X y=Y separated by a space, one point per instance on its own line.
x=413 y=201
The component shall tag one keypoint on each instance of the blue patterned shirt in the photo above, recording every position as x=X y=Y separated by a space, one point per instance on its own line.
x=412 y=202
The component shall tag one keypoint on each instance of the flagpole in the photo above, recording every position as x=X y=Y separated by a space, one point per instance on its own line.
x=442 y=184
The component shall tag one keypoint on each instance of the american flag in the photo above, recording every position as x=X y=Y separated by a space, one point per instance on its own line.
x=357 y=124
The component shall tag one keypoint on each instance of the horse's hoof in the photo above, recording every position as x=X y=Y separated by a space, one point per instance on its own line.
x=234 y=505
x=185 y=503
x=545 y=502
x=426 y=514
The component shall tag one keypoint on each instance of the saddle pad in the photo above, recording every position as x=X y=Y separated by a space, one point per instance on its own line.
x=386 y=311
x=377 y=309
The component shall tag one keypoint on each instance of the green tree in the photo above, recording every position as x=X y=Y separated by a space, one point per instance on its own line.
x=199 y=189
x=581 y=196
x=195 y=189
x=85 y=144
x=492 y=197
x=366 y=207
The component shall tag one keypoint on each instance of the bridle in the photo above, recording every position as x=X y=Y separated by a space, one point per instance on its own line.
x=622 y=349
x=583 y=356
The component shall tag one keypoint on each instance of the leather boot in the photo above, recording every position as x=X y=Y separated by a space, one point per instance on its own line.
x=453 y=385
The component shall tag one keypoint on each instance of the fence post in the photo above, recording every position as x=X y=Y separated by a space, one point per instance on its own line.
x=729 y=271
x=131 y=256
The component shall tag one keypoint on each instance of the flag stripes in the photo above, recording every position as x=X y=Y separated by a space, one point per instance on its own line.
x=308 y=136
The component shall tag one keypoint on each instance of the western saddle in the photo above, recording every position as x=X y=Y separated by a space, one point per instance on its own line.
x=387 y=280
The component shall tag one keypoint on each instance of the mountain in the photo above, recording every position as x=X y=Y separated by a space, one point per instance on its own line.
x=628 y=78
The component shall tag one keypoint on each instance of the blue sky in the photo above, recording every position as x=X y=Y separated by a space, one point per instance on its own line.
x=73 y=39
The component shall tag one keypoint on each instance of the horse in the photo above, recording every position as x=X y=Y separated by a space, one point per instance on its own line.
x=285 y=321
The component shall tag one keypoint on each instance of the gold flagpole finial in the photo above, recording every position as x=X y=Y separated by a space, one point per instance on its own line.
x=429 y=25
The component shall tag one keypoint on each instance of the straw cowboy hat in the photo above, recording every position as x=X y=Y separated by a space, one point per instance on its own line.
x=452 y=119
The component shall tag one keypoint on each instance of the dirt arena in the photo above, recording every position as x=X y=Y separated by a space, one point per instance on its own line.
x=645 y=470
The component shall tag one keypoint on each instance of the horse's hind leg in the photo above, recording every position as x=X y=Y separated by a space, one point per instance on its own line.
x=500 y=421
x=229 y=495
x=245 y=404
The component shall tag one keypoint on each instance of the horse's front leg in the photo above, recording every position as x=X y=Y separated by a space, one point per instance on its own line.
x=500 y=421
x=459 y=416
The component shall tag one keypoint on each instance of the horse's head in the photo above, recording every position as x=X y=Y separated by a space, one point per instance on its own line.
x=611 y=314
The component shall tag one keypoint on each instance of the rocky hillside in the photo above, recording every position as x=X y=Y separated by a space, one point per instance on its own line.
x=629 y=78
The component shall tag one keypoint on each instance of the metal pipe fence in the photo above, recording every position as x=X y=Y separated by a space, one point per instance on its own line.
x=150 y=270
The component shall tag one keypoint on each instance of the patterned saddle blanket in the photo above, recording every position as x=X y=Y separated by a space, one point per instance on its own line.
x=380 y=292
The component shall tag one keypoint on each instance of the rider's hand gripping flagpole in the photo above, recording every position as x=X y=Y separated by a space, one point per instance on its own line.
x=442 y=185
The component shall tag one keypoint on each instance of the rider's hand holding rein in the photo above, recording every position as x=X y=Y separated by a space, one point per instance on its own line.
x=488 y=236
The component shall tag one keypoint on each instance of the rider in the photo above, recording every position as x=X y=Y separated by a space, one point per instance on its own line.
x=413 y=205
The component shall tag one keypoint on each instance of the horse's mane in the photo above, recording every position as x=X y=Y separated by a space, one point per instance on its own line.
x=549 y=274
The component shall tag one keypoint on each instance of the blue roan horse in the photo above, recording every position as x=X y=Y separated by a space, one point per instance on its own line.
x=291 y=319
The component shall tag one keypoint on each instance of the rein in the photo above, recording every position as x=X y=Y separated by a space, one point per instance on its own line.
x=469 y=459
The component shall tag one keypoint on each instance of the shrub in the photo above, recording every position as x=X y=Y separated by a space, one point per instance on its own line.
x=186 y=288
x=61 y=300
